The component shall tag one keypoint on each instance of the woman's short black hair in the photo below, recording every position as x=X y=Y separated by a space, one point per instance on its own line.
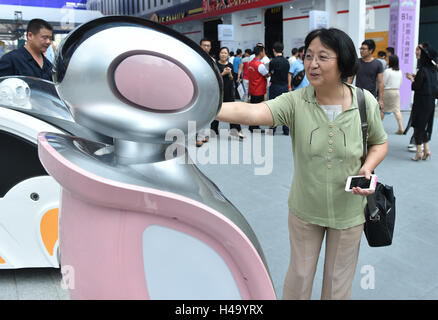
x=338 y=41
x=428 y=54
x=228 y=50
x=393 y=62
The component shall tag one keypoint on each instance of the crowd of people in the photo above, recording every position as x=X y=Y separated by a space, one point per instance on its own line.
x=259 y=77
x=262 y=78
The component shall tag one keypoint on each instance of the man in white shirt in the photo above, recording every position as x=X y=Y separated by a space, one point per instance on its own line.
x=231 y=58
x=294 y=56
x=265 y=59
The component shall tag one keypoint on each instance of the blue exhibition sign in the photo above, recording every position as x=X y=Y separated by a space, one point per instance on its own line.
x=74 y=4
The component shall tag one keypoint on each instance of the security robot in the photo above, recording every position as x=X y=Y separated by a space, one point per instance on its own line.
x=136 y=223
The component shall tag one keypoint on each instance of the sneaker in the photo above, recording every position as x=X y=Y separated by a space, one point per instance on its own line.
x=236 y=134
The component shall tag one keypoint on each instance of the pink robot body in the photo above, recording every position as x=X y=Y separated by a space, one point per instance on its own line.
x=104 y=231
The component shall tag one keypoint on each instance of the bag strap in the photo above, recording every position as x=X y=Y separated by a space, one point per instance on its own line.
x=371 y=199
x=363 y=119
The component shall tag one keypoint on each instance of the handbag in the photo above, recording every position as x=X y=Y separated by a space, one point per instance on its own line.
x=380 y=208
x=298 y=78
x=241 y=90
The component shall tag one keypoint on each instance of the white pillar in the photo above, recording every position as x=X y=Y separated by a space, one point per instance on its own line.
x=356 y=22
x=331 y=8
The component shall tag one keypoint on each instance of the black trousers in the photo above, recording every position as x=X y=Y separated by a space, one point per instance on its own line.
x=256 y=99
x=215 y=126
x=276 y=90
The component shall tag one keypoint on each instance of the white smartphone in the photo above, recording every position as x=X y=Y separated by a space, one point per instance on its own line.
x=361 y=182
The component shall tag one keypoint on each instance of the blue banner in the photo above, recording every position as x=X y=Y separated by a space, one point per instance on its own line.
x=73 y=4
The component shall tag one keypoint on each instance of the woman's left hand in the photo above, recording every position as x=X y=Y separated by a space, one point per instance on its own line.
x=356 y=190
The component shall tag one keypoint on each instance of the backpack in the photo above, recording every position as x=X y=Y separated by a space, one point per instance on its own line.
x=298 y=78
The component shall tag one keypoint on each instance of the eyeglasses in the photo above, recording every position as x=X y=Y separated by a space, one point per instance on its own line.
x=321 y=58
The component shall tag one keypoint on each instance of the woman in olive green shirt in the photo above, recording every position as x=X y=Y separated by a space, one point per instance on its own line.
x=325 y=152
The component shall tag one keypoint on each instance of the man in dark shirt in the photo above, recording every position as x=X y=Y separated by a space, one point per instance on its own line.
x=279 y=70
x=30 y=60
x=370 y=72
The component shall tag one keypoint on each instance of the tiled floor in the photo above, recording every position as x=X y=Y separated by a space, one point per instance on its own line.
x=405 y=270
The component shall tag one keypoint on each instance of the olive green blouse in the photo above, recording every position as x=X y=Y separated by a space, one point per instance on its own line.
x=325 y=153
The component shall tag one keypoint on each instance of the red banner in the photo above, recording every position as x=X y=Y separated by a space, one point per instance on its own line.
x=211 y=8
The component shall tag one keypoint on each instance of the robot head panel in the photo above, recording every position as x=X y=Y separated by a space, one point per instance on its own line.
x=133 y=79
x=15 y=92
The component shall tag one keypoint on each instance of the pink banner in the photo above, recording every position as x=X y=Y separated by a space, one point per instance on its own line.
x=402 y=37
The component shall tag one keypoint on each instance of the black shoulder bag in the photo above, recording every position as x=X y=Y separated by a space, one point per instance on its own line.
x=380 y=208
x=296 y=81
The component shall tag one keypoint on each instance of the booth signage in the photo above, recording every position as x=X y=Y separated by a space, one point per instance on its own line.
x=402 y=37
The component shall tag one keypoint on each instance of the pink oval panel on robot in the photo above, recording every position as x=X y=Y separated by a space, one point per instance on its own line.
x=154 y=83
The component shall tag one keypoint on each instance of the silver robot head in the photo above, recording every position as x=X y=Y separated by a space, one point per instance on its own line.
x=134 y=79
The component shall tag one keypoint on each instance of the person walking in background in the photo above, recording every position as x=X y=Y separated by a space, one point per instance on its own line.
x=318 y=204
x=236 y=64
x=297 y=76
x=389 y=51
x=30 y=60
x=382 y=58
x=392 y=80
x=230 y=57
x=257 y=74
x=279 y=69
x=242 y=75
x=411 y=145
x=265 y=60
x=370 y=72
x=226 y=70
x=423 y=108
x=205 y=44
x=294 y=56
